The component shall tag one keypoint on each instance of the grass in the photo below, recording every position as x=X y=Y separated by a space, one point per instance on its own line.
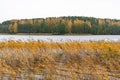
x=73 y=59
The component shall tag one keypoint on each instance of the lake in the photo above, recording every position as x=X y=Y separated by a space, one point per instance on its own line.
x=58 y=38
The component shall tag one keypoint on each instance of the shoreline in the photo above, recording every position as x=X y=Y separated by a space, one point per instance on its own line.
x=44 y=34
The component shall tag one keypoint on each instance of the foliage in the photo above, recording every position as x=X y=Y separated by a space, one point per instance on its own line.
x=63 y=25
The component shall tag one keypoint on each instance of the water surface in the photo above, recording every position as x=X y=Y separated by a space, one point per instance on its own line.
x=60 y=37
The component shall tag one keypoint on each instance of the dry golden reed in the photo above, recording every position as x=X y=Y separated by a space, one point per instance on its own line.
x=61 y=58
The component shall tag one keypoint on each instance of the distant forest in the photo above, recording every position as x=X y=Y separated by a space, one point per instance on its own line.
x=63 y=25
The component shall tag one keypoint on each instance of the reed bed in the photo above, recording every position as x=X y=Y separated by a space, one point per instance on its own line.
x=75 y=60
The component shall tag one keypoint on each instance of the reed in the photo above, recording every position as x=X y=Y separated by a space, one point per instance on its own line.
x=51 y=59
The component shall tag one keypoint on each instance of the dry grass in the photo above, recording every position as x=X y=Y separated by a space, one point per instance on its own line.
x=67 y=58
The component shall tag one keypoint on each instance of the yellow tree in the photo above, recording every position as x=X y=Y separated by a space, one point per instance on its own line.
x=47 y=21
x=22 y=22
x=88 y=23
x=30 y=21
x=14 y=20
x=100 y=21
x=10 y=28
x=77 y=21
x=115 y=23
x=69 y=26
x=39 y=21
x=15 y=27
x=53 y=21
x=35 y=21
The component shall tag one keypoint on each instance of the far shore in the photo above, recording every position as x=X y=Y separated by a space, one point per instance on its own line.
x=42 y=34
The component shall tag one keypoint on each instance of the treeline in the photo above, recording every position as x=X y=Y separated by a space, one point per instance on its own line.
x=63 y=25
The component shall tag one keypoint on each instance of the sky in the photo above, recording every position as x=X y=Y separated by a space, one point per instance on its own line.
x=26 y=9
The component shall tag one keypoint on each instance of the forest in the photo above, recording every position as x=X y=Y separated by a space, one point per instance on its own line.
x=62 y=25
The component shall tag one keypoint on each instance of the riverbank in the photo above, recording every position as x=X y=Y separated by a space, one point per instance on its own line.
x=42 y=34
x=75 y=60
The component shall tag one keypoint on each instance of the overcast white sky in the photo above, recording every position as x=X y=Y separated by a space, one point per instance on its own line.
x=22 y=9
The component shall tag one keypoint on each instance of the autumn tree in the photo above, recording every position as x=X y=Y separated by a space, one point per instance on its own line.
x=100 y=22
x=69 y=24
x=30 y=21
x=59 y=25
x=15 y=27
x=10 y=28
x=22 y=22
x=88 y=23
